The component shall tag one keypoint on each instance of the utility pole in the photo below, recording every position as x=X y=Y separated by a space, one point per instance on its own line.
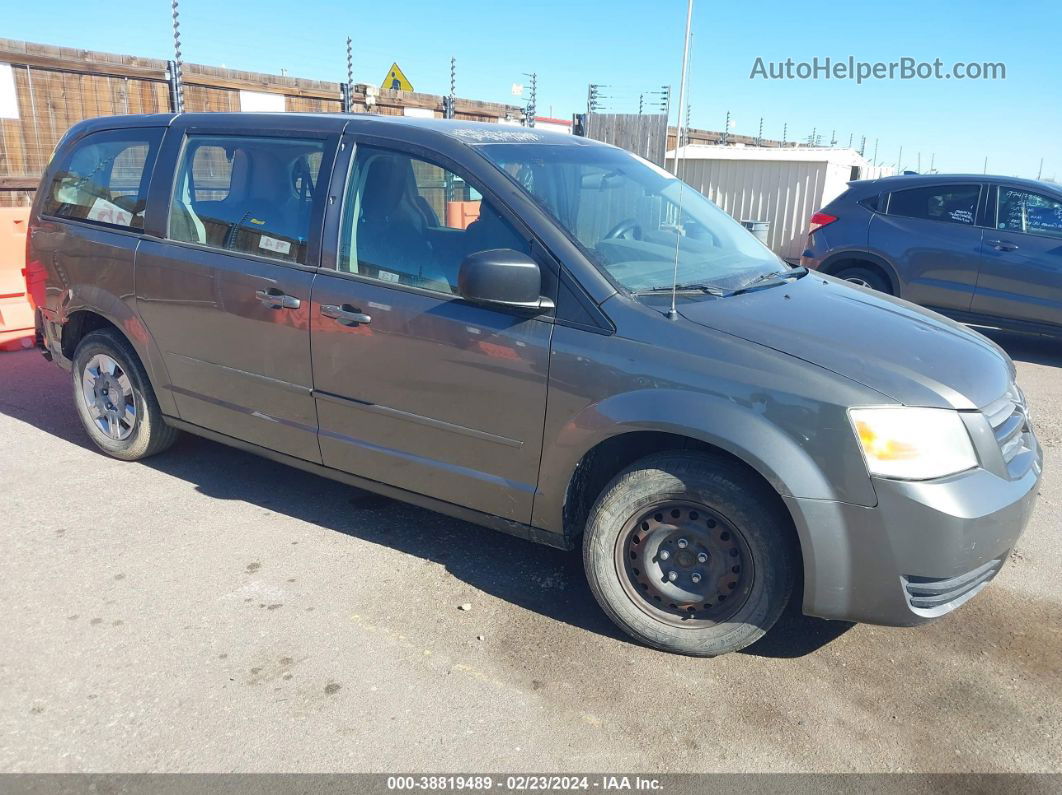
x=759 y=136
x=850 y=137
x=919 y=167
x=899 y=161
x=177 y=86
x=348 y=87
x=932 y=160
x=532 y=97
x=726 y=129
x=862 y=145
x=785 y=132
x=593 y=97
x=986 y=165
x=641 y=103
x=875 y=151
x=448 y=101
x=1040 y=173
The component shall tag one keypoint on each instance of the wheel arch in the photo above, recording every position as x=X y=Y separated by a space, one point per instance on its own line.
x=605 y=438
x=837 y=261
x=78 y=323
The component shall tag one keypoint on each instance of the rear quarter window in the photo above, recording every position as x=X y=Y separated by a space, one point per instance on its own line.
x=103 y=178
x=953 y=204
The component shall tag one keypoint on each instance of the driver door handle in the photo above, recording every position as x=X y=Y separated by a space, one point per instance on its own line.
x=1002 y=245
x=276 y=299
x=345 y=315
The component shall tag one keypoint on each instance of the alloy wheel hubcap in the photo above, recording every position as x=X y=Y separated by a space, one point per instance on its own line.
x=109 y=397
x=684 y=564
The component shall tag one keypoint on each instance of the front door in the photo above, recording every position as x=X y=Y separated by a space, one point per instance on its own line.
x=1021 y=273
x=227 y=295
x=416 y=387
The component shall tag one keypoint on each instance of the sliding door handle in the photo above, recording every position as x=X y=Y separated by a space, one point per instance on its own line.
x=345 y=315
x=275 y=299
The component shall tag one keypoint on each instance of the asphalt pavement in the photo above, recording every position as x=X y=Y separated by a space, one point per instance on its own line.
x=210 y=611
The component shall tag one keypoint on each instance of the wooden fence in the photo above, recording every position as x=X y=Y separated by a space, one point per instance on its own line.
x=57 y=87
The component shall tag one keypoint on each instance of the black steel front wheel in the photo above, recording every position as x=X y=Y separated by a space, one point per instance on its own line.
x=690 y=553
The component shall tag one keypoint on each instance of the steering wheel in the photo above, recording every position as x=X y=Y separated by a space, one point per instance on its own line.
x=627 y=229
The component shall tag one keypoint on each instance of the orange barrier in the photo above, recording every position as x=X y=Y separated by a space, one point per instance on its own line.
x=460 y=214
x=16 y=313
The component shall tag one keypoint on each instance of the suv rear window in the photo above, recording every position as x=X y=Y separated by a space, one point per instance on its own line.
x=248 y=195
x=953 y=204
x=104 y=178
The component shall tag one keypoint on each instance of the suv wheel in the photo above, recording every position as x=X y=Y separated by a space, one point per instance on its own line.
x=865 y=277
x=690 y=554
x=115 y=401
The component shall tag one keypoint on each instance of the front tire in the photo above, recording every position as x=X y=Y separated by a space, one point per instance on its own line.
x=690 y=553
x=115 y=401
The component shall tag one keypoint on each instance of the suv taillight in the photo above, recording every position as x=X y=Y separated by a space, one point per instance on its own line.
x=819 y=220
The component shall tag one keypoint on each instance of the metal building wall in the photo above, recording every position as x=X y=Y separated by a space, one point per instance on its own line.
x=786 y=193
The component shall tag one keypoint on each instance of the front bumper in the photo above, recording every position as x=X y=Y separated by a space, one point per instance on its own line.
x=926 y=548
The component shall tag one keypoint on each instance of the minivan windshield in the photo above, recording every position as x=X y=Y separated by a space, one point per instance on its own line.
x=632 y=217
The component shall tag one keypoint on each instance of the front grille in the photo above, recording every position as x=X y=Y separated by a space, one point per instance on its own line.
x=926 y=593
x=1009 y=419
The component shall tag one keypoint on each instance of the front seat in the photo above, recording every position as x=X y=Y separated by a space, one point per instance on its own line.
x=391 y=238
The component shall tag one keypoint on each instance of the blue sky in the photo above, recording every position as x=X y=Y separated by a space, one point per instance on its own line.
x=636 y=46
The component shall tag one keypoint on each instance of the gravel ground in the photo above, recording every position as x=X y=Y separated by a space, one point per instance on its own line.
x=208 y=610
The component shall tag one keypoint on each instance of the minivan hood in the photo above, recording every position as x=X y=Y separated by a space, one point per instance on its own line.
x=912 y=355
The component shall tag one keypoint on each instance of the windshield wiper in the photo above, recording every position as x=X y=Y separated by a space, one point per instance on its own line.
x=710 y=289
x=794 y=273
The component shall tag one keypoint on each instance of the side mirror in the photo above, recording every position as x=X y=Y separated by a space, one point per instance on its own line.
x=502 y=277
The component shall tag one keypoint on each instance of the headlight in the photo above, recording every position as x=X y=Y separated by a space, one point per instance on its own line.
x=913 y=443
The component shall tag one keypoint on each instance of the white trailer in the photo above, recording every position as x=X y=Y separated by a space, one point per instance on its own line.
x=781 y=185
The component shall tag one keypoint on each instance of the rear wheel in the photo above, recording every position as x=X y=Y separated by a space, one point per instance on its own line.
x=690 y=553
x=114 y=399
x=866 y=277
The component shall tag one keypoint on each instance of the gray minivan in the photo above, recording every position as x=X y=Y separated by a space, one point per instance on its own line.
x=480 y=319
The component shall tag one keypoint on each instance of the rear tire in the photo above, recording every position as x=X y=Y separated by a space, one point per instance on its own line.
x=690 y=553
x=115 y=400
x=866 y=277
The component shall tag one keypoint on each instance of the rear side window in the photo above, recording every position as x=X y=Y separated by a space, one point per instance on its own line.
x=247 y=195
x=1022 y=211
x=104 y=178
x=953 y=204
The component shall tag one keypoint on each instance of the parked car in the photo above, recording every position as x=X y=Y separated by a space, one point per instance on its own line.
x=310 y=288
x=983 y=250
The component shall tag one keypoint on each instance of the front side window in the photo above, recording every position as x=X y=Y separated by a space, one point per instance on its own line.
x=953 y=204
x=247 y=195
x=104 y=178
x=1022 y=211
x=411 y=222
x=632 y=219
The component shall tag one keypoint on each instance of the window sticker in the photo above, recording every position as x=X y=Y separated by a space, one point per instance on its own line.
x=106 y=212
x=387 y=276
x=272 y=244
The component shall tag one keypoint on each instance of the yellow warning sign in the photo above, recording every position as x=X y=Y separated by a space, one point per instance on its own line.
x=396 y=80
